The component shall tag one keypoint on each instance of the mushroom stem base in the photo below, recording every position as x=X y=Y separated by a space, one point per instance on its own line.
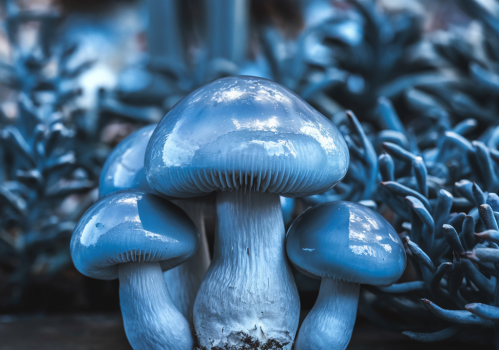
x=150 y=318
x=329 y=324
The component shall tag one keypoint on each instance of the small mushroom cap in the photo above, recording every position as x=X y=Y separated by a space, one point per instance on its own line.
x=131 y=226
x=346 y=241
x=245 y=132
x=124 y=168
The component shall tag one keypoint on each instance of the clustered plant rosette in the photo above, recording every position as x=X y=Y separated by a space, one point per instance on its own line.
x=46 y=175
x=450 y=232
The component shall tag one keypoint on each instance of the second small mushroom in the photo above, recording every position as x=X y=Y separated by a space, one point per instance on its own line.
x=345 y=244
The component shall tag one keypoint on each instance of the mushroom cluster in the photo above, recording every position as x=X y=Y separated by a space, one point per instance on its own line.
x=234 y=147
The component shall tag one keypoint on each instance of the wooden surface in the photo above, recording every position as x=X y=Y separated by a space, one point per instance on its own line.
x=105 y=332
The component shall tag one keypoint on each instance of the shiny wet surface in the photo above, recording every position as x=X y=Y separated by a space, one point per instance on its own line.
x=131 y=226
x=347 y=241
x=124 y=168
x=245 y=132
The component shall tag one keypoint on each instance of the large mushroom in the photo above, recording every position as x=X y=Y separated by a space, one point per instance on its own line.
x=124 y=170
x=249 y=140
x=346 y=244
x=133 y=236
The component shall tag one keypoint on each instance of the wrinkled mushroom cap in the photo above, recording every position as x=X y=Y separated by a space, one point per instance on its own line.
x=131 y=226
x=346 y=241
x=124 y=168
x=245 y=132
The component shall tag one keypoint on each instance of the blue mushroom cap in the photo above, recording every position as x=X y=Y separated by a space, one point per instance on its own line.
x=346 y=241
x=245 y=132
x=124 y=168
x=131 y=227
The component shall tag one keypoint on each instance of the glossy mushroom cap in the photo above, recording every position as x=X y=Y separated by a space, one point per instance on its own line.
x=131 y=227
x=245 y=132
x=346 y=241
x=124 y=168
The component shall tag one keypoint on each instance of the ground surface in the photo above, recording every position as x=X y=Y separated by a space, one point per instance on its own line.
x=104 y=332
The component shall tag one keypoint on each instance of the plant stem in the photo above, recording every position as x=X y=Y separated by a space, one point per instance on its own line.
x=164 y=33
x=227 y=28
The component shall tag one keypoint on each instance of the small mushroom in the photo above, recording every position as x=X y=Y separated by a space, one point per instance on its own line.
x=124 y=170
x=249 y=140
x=133 y=236
x=345 y=244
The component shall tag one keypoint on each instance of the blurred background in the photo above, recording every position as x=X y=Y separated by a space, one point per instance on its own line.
x=78 y=76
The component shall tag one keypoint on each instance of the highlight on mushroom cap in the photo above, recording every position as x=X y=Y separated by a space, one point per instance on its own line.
x=124 y=168
x=245 y=132
x=346 y=241
x=131 y=226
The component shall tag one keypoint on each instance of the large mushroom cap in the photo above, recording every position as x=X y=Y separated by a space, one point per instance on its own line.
x=124 y=168
x=245 y=132
x=131 y=227
x=346 y=241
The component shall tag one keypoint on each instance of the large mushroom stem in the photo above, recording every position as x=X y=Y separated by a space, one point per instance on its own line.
x=183 y=281
x=329 y=324
x=249 y=289
x=151 y=320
